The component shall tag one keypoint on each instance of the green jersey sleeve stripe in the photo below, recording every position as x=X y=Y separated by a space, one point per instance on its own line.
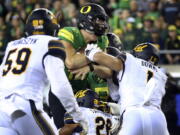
x=66 y=34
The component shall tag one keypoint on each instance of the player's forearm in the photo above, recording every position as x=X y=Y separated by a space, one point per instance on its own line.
x=67 y=129
x=60 y=86
x=102 y=71
x=109 y=61
x=76 y=61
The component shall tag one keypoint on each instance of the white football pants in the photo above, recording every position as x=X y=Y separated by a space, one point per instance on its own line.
x=147 y=120
x=21 y=117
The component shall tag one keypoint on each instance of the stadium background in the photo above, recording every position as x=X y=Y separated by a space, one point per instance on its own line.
x=134 y=21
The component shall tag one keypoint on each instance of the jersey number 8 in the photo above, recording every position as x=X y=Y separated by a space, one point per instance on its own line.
x=21 y=61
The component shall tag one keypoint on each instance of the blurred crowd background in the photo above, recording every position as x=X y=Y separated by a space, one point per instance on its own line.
x=134 y=21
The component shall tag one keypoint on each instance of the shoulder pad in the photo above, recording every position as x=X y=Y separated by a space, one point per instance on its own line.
x=116 y=53
x=56 y=48
x=66 y=34
x=115 y=41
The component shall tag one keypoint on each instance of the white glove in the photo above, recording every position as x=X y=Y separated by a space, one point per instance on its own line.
x=90 y=50
x=84 y=125
x=114 y=108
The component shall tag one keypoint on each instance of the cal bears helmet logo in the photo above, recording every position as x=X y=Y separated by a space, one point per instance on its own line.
x=85 y=9
x=80 y=93
x=36 y=23
x=140 y=48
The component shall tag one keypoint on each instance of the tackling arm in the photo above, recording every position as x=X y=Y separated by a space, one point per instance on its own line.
x=102 y=71
x=95 y=54
x=108 y=61
x=54 y=67
x=74 y=59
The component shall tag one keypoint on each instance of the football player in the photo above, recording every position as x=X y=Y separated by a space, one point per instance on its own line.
x=92 y=27
x=30 y=64
x=141 y=86
x=96 y=113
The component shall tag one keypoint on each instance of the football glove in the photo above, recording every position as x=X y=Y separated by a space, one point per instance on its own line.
x=90 y=50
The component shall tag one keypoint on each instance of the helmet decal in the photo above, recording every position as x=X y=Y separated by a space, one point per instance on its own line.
x=139 y=48
x=80 y=93
x=37 y=23
x=147 y=51
x=93 y=18
x=41 y=21
x=85 y=9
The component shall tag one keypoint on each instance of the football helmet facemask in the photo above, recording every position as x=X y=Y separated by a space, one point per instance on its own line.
x=147 y=51
x=41 y=21
x=93 y=18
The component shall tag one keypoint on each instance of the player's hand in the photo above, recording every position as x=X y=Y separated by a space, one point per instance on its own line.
x=81 y=72
x=90 y=50
x=84 y=125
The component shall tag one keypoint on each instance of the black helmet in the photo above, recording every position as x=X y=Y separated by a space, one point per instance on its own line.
x=90 y=99
x=41 y=21
x=87 y=98
x=90 y=17
x=147 y=51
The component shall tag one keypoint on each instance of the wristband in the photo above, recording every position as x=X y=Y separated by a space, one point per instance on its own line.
x=91 y=67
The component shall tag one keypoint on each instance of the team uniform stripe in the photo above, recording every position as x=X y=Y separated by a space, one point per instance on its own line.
x=66 y=34
x=41 y=121
x=56 y=47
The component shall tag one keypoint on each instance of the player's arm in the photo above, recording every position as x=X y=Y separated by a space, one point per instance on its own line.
x=96 y=55
x=108 y=61
x=54 y=67
x=102 y=71
x=69 y=127
x=74 y=59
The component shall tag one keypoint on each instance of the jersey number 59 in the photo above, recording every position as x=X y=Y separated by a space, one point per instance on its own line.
x=19 y=64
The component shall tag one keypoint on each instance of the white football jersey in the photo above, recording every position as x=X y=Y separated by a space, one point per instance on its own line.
x=140 y=83
x=99 y=123
x=22 y=67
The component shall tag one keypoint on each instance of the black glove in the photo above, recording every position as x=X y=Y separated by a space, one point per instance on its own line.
x=115 y=41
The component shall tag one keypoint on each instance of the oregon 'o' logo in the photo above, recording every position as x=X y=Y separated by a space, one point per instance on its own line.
x=85 y=9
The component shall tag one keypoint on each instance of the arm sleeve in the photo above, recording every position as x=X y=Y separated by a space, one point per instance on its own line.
x=60 y=86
